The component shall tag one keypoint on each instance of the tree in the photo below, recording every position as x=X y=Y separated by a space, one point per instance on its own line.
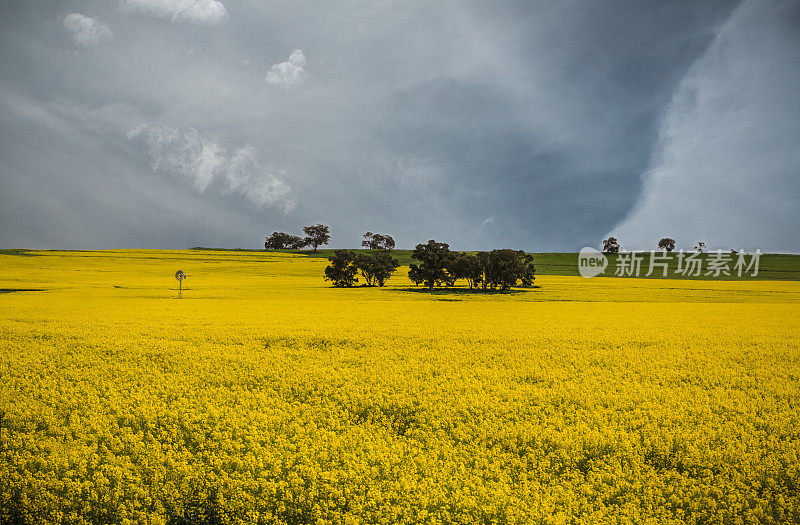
x=486 y=271
x=466 y=266
x=376 y=268
x=667 y=244
x=317 y=235
x=376 y=241
x=434 y=258
x=503 y=268
x=283 y=241
x=529 y=274
x=415 y=274
x=298 y=243
x=610 y=245
x=342 y=270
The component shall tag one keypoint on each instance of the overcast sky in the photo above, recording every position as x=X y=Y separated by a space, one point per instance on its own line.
x=543 y=126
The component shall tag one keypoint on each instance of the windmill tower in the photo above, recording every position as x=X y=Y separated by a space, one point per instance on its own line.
x=180 y=276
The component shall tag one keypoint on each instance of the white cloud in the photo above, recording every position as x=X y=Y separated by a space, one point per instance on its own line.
x=187 y=153
x=289 y=73
x=726 y=169
x=202 y=160
x=244 y=175
x=85 y=30
x=201 y=12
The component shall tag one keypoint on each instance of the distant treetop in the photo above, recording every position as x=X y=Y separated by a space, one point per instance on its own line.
x=284 y=241
x=317 y=235
x=610 y=245
x=667 y=244
x=377 y=241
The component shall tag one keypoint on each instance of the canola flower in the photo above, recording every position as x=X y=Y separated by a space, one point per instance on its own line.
x=263 y=395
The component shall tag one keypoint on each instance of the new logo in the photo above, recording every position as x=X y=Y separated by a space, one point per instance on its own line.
x=591 y=262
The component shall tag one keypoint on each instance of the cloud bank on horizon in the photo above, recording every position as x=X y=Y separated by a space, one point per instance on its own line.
x=545 y=126
x=727 y=165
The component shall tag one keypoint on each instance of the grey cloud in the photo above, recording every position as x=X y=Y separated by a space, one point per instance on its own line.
x=202 y=159
x=245 y=175
x=82 y=184
x=725 y=170
x=203 y=12
x=288 y=73
x=187 y=153
x=422 y=120
x=85 y=30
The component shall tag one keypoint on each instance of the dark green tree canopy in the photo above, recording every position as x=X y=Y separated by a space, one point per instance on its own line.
x=434 y=258
x=342 y=270
x=436 y=266
x=415 y=274
x=504 y=268
x=284 y=241
x=529 y=275
x=466 y=266
x=376 y=268
x=667 y=244
x=317 y=235
x=610 y=245
x=377 y=241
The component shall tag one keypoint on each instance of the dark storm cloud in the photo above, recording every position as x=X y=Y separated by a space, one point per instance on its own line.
x=173 y=123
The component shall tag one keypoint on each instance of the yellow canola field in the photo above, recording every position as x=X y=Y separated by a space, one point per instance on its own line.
x=266 y=396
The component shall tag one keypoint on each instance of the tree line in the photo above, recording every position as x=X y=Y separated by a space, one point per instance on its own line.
x=667 y=244
x=497 y=269
x=375 y=268
x=437 y=266
x=316 y=235
x=320 y=234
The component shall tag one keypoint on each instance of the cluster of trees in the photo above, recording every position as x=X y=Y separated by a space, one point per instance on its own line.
x=495 y=269
x=375 y=268
x=284 y=241
x=319 y=235
x=316 y=235
x=438 y=266
x=377 y=241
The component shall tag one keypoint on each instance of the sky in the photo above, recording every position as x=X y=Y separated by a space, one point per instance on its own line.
x=544 y=126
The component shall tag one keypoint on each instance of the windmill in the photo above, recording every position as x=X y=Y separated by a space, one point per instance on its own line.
x=180 y=276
